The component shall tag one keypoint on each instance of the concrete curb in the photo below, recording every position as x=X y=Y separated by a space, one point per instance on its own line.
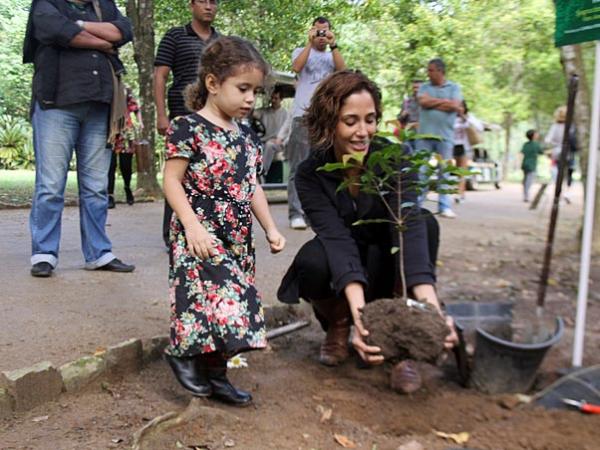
x=24 y=389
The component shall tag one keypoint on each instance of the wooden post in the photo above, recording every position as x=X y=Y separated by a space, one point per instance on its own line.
x=562 y=163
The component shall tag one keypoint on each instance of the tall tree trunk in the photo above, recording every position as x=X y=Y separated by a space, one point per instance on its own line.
x=572 y=61
x=141 y=14
x=508 y=122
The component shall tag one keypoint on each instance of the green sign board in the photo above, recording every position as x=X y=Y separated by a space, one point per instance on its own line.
x=577 y=21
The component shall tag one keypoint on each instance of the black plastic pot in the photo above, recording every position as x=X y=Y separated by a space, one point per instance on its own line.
x=498 y=364
x=502 y=366
x=468 y=317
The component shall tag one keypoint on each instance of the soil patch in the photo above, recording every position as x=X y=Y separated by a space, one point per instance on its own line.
x=405 y=332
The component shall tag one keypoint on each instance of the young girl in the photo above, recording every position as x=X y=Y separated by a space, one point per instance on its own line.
x=210 y=182
x=124 y=148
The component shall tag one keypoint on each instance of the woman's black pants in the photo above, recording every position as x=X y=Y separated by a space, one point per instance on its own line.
x=126 y=167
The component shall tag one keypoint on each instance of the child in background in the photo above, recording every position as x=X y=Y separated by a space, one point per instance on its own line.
x=531 y=149
x=210 y=181
x=123 y=147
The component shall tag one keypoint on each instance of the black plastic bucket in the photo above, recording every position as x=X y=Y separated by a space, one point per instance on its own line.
x=468 y=316
x=502 y=366
x=498 y=364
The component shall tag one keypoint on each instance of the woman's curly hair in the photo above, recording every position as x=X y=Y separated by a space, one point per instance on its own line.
x=322 y=115
x=224 y=57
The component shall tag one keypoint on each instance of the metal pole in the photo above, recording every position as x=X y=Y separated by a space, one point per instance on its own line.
x=286 y=329
x=573 y=81
x=588 y=221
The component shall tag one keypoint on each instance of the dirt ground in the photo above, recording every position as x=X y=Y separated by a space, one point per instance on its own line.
x=491 y=252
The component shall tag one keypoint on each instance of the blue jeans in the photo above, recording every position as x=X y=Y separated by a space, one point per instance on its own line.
x=444 y=148
x=56 y=133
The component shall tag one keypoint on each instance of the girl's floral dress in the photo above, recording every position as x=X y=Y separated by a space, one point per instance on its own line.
x=214 y=304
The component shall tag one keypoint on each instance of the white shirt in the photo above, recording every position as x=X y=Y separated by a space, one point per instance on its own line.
x=460 y=130
x=318 y=66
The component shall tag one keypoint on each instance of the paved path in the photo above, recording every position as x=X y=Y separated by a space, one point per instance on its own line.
x=76 y=311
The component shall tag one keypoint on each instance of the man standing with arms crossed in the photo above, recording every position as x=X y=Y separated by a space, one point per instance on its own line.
x=179 y=51
x=312 y=63
x=73 y=46
x=440 y=101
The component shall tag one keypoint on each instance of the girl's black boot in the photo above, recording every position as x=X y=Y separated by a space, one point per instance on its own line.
x=222 y=389
x=188 y=376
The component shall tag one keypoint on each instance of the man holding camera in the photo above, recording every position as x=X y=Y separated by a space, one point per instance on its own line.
x=312 y=63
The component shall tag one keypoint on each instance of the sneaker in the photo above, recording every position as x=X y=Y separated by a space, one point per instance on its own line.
x=42 y=269
x=448 y=214
x=111 y=202
x=298 y=223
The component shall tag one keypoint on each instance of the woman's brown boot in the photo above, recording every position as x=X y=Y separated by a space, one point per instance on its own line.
x=334 y=350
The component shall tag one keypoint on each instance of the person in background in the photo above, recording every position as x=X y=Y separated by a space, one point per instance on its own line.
x=273 y=118
x=211 y=183
x=440 y=101
x=73 y=46
x=531 y=149
x=554 y=139
x=312 y=63
x=462 y=146
x=409 y=113
x=123 y=150
x=179 y=53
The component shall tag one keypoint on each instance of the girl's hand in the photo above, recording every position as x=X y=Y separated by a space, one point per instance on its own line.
x=276 y=240
x=201 y=243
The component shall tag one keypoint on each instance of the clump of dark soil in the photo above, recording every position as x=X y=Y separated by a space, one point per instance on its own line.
x=404 y=332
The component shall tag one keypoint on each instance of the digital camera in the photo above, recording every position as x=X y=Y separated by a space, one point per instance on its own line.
x=321 y=33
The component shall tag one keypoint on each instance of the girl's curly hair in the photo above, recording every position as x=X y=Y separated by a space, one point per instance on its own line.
x=322 y=115
x=224 y=57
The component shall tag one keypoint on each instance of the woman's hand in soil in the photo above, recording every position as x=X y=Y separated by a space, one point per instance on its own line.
x=276 y=240
x=200 y=242
x=356 y=301
x=452 y=339
x=369 y=353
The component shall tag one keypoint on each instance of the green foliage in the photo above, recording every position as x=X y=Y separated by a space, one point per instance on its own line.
x=500 y=51
x=15 y=82
x=390 y=164
x=16 y=147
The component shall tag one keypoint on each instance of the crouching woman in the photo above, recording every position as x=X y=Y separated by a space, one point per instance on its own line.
x=345 y=266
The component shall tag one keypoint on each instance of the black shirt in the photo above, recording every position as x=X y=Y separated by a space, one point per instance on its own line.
x=180 y=50
x=82 y=74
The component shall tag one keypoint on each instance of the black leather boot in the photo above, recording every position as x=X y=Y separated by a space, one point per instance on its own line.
x=222 y=389
x=188 y=376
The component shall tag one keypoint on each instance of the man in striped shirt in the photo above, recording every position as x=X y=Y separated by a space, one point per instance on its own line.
x=179 y=52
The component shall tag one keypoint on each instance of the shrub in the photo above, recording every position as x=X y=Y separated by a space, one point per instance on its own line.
x=16 y=146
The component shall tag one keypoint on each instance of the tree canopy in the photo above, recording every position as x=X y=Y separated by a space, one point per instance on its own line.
x=500 y=51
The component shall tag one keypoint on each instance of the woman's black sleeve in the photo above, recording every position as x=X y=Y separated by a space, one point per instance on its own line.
x=341 y=248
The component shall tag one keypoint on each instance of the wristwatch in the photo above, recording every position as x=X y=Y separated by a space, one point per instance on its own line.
x=333 y=47
x=80 y=24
